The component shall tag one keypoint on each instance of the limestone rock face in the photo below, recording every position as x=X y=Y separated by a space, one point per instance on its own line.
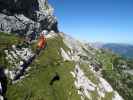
x=26 y=16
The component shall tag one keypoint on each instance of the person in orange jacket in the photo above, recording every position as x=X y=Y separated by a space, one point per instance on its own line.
x=42 y=42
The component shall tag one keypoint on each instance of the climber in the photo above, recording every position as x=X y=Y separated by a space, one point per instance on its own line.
x=42 y=43
x=30 y=37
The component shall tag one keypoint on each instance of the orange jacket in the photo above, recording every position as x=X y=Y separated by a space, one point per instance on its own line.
x=41 y=42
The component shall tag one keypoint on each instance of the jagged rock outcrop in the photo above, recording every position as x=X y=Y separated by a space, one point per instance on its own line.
x=19 y=60
x=84 y=55
x=26 y=16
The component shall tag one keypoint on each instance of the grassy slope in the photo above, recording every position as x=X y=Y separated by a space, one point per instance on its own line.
x=120 y=81
x=36 y=85
x=105 y=58
x=46 y=65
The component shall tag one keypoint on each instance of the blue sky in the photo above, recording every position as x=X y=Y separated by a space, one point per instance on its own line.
x=96 y=20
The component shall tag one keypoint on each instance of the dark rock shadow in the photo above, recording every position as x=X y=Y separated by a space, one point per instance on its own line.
x=56 y=77
x=3 y=80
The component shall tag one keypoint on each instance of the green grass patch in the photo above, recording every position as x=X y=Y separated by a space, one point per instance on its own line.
x=37 y=85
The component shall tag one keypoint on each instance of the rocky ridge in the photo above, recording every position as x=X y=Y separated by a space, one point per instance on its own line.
x=24 y=16
x=86 y=87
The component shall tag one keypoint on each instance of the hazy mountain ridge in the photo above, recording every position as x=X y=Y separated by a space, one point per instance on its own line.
x=125 y=50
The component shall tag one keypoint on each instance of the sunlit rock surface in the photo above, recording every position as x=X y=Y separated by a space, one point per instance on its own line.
x=26 y=16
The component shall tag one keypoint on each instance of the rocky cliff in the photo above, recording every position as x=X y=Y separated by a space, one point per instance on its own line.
x=26 y=16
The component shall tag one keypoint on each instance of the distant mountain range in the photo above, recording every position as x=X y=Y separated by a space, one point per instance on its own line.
x=125 y=50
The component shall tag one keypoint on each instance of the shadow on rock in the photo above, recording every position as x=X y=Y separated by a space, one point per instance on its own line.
x=3 y=81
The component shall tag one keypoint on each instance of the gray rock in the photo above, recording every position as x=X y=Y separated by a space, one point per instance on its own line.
x=25 y=16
